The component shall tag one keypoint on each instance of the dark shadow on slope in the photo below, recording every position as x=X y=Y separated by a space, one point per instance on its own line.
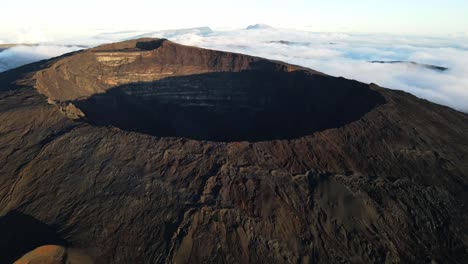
x=21 y=233
x=233 y=106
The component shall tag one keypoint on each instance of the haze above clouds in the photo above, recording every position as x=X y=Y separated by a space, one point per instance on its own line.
x=57 y=19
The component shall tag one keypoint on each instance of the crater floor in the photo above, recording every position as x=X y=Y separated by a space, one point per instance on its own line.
x=223 y=106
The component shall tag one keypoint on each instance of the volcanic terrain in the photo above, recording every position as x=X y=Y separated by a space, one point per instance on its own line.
x=147 y=151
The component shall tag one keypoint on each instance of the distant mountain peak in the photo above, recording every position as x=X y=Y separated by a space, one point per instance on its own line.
x=258 y=26
x=415 y=64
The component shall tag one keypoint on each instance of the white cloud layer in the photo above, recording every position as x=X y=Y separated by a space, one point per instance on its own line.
x=349 y=55
x=338 y=54
x=23 y=54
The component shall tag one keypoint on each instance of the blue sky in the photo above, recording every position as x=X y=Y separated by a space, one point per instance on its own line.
x=54 y=19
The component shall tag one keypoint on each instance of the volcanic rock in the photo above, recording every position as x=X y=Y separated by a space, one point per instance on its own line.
x=147 y=151
x=53 y=254
x=48 y=254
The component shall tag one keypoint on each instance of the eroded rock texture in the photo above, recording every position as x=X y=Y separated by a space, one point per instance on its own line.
x=147 y=151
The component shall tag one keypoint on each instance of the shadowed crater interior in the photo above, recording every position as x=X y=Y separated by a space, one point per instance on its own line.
x=232 y=106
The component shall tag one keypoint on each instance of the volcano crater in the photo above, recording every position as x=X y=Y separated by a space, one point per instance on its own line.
x=158 y=88
x=231 y=106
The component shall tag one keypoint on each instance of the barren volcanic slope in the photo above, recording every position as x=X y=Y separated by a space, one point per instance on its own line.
x=147 y=151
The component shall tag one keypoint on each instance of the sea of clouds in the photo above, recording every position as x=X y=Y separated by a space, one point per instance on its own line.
x=24 y=54
x=338 y=54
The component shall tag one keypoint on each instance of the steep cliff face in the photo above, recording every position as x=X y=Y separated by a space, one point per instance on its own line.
x=148 y=151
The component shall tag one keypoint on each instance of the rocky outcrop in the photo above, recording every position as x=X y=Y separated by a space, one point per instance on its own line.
x=48 y=254
x=53 y=254
x=385 y=184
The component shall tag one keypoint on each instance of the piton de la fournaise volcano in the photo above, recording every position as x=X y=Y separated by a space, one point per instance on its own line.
x=148 y=151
